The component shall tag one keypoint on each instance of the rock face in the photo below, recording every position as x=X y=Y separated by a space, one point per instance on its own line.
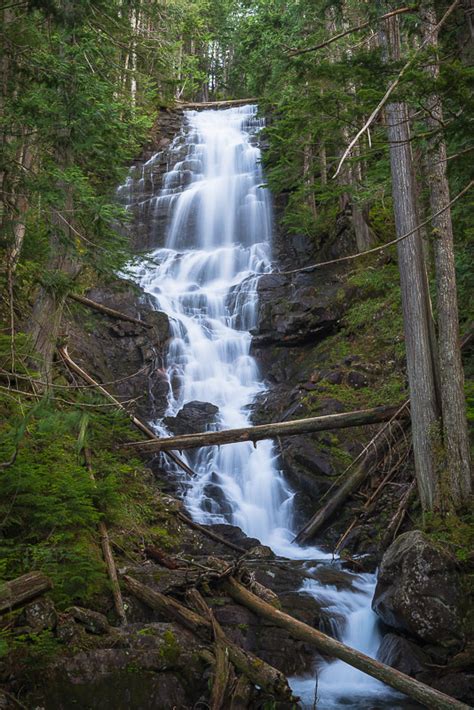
x=152 y=666
x=418 y=591
x=126 y=355
x=292 y=310
x=193 y=418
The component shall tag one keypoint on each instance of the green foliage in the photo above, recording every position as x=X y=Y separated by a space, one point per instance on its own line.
x=454 y=532
x=49 y=504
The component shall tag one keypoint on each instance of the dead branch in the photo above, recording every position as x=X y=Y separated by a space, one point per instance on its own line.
x=106 y=310
x=375 y=250
x=356 y=28
x=393 y=86
x=139 y=424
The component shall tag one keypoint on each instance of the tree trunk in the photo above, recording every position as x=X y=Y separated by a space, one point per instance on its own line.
x=421 y=376
x=363 y=417
x=22 y=590
x=456 y=482
x=428 y=697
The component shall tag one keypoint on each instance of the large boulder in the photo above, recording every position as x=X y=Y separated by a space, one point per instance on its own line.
x=418 y=591
x=193 y=418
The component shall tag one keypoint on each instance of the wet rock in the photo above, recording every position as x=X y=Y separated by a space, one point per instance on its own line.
x=260 y=552
x=127 y=356
x=93 y=621
x=418 y=591
x=402 y=654
x=153 y=666
x=293 y=311
x=215 y=501
x=40 y=614
x=194 y=417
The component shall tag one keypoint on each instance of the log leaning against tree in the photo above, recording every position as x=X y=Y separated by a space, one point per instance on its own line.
x=348 y=486
x=22 y=590
x=363 y=417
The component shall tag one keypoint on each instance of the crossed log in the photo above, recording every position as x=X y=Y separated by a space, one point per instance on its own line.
x=261 y=673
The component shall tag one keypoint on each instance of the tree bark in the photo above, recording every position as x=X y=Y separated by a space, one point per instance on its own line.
x=421 y=376
x=456 y=480
x=363 y=417
x=22 y=590
x=429 y=697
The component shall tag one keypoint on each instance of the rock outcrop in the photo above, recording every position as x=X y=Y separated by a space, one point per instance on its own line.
x=418 y=591
x=193 y=418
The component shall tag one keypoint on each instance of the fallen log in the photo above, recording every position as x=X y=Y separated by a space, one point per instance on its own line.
x=154 y=553
x=111 y=312
x=257 y=671
x=216 y=104
x=223 y=669
x=363 y=417
x=22 y=590
x=69 y=362
x=424 y=694
x=376 y=448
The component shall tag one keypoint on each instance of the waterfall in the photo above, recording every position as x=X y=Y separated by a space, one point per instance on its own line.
x=218 y=224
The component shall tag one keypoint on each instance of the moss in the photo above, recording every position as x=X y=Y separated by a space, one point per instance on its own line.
x=452 y=531
x=170 y=651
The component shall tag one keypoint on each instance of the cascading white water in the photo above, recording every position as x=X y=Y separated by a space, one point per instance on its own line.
x=218 y=238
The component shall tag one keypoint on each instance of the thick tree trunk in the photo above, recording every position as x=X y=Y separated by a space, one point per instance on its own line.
x=22 y=590
x=363 y=417
x=428 y=697
x=415 y=303
x=457 y=483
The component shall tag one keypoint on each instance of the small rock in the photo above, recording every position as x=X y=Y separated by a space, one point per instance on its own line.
x=357 y=379
x=40 y=614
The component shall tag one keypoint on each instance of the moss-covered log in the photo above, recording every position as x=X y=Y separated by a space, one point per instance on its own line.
x=22 y=590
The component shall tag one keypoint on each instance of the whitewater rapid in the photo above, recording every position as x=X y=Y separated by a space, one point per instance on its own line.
x=218 y=228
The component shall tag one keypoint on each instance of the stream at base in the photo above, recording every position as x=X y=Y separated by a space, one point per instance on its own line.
x=218 y=225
